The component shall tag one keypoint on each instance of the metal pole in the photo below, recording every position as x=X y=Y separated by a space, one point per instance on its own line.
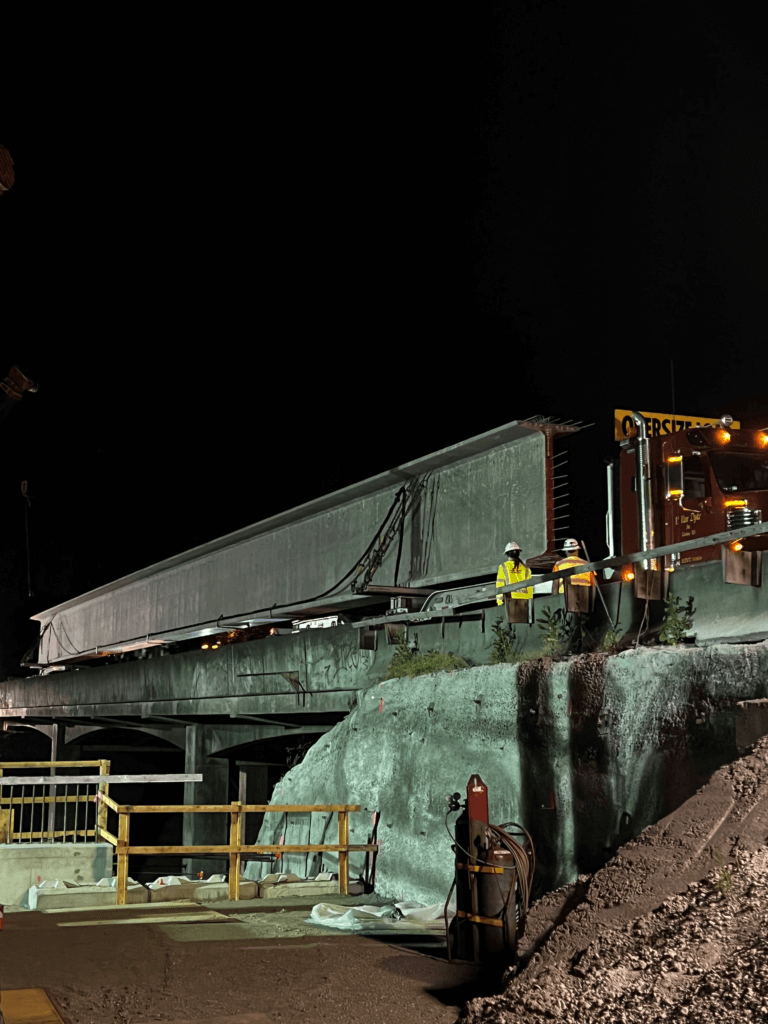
x=609 y=525
x=605 y=606
x=643 y=490
x=55 y=737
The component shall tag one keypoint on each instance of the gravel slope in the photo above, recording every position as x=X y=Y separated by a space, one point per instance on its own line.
x=665 y=930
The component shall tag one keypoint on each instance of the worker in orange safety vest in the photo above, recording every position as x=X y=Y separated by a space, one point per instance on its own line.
x=571 y=560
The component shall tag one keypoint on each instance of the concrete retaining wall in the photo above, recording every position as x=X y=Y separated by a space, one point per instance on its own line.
x=21 y=864
x=620 y=741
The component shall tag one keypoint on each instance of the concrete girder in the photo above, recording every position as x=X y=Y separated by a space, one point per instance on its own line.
x=245 y=704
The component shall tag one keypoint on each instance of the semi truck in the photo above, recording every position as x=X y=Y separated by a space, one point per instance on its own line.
x=432 y=533
x=695 y=483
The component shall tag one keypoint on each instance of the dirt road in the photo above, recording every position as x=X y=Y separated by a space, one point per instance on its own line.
x=261 y=958
x=675 y=926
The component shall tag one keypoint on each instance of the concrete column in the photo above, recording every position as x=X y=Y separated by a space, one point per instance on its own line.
x=57 y=746
x=254 y=789
x=202 y=829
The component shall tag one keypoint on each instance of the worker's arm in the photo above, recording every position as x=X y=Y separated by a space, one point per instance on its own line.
x=501 y=581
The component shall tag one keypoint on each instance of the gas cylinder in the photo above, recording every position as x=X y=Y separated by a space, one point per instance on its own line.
x=465 y=939
x=496 y=897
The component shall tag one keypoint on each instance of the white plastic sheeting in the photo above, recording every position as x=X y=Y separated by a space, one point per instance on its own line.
x=407 y=916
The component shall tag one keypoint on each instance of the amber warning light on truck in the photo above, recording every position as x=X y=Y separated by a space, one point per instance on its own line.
x=658 y=423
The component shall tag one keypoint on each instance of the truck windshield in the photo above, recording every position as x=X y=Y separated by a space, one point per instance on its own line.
x=740 y=472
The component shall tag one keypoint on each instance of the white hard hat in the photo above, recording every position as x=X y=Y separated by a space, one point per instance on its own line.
x=511 y=547
x=571 y=545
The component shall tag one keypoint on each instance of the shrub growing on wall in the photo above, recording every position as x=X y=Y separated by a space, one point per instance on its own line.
x=408 y=662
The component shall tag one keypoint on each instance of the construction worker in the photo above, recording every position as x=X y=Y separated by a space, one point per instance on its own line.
x=570 y=561
x=514 y=570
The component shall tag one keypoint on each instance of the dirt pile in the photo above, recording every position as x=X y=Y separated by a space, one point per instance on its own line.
x=674 y=926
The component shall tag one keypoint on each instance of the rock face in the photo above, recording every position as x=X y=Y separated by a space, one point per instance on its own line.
x=584 y=753
x=674 y=926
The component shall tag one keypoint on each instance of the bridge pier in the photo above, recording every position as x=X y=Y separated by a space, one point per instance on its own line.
x=202 y=829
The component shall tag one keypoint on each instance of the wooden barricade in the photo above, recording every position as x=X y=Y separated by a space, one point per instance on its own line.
x=235 y=847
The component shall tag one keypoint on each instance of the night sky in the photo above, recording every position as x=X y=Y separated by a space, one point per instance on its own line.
x=243 y=285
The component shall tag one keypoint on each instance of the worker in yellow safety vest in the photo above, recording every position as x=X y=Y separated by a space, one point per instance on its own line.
x=513 y=570
x=571 y=560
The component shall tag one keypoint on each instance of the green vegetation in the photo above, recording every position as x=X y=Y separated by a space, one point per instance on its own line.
x=507 y=647
x=410 y=662
x=725 y=881
x=564 y=634
x=611 y=639
x=558 y=635
x=677 y=620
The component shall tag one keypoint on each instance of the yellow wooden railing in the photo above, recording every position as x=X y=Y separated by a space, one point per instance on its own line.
x=235 y=847
x=9 y=804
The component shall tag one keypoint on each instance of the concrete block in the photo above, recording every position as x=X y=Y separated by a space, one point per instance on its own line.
x=203 y=892
x=214 y=891
x=87 y=896
x=21 y=865
x=180 y=891
x=278 y=890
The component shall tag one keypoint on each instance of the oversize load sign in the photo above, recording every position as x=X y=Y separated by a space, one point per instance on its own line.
x=661 y=423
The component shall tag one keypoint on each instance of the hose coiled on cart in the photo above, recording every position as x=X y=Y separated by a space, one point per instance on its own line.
x=525 y=864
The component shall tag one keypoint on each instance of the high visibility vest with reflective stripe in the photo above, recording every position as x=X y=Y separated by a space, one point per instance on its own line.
x=582 y=579
x=507 y=574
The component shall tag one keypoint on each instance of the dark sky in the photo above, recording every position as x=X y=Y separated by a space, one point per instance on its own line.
x=242 y=288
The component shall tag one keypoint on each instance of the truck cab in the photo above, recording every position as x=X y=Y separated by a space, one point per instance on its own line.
x=702 y=481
